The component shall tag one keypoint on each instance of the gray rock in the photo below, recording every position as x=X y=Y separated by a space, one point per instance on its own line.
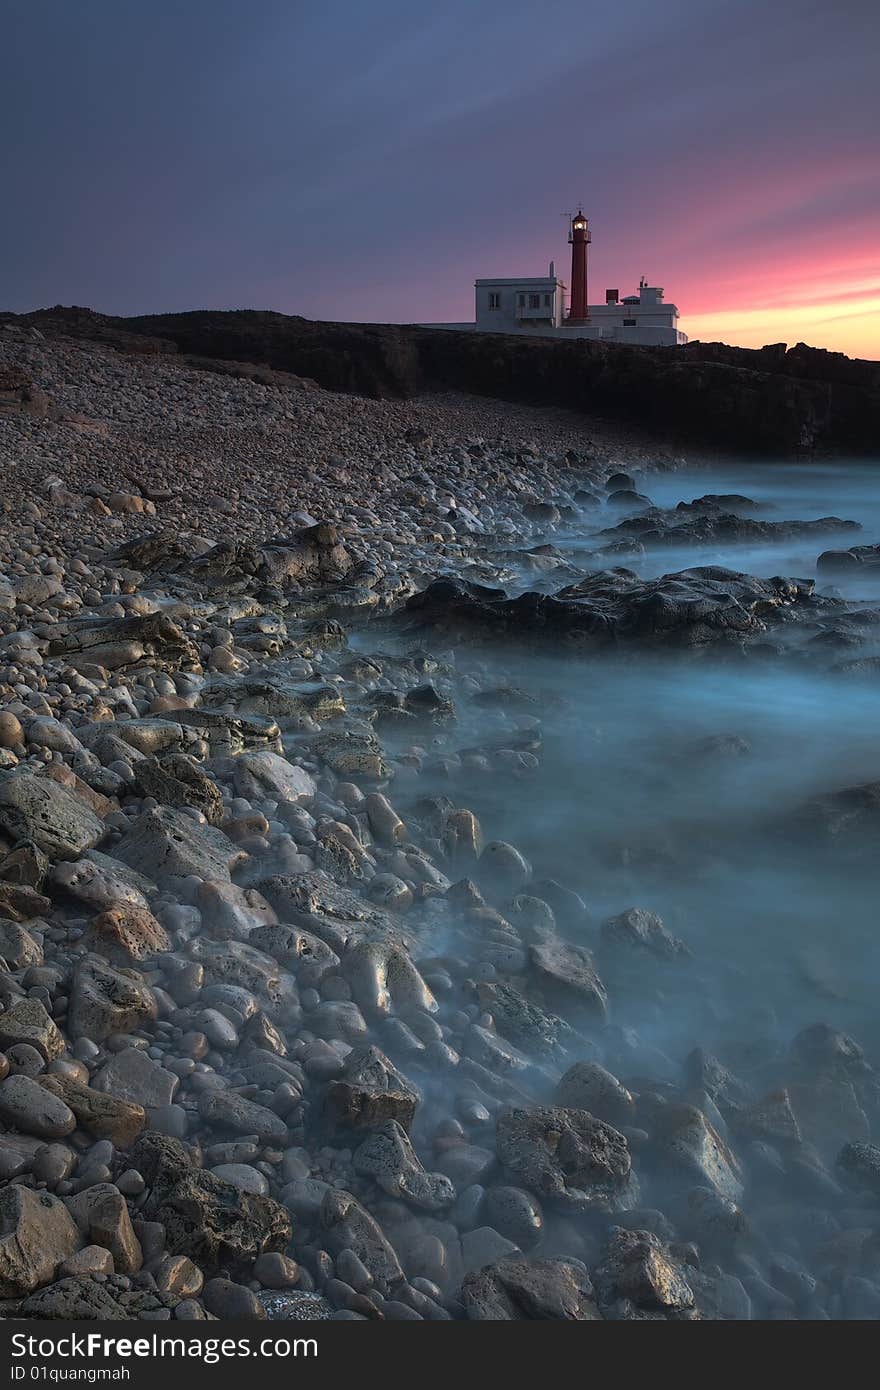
x=29 y=1107
x=516 y=1214
x=104 y=1000
x=345 y=1225
x=370 y=1091
x=179 y=780
x=685 y=1142
x=19 y=947
x=26 y=1021
x=101 y=1215
x=261 y=773
x=568 y=976
x=217 y=1225
x=39 y=809
x=132 y=1075
x=567 y=1157
x=167 y=845
x=388 y=1157
x=227 y=1110
x=514 y=1290
x=588 y=1086
x=243 y=1176
x=36 y=1233
x=638 y=930
x=638 y=1279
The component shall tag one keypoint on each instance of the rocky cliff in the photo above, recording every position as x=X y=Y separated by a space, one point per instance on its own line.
x=771 y=399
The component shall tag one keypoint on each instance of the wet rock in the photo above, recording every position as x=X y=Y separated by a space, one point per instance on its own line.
x=178 y=780
x=516 y=1214
x=101 y=1216
x=515 y=1290
x=102 y=882
x=388 y=1157
x=568 y=976
x=92 y=1259
x=225 y=1299
x=383 y=977
x=264 y=774
x=166 y=845
x=104 y=1116
x=242 y=1175
x=525 y=1023
x=213 y=1222
x=21 y=903
x=37 y=809
x=300 y=950
x=638 y=930
x=226 y=1110
x=87 y=1299
x=29 y=1107
x=346 y=1225
x=369 y=1092
x=126 y=935
x=19 y=948
x=588 y=1086
x=26 y=1021
x=104 y=1000
x=36 y=1234
x=687 y=1142
x=131 y=1076
x=638 y=1279
x=567 y=1157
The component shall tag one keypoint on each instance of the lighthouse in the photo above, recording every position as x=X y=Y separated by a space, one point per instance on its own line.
x=580 y=238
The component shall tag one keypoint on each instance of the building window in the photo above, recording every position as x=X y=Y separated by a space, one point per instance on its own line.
x=494 y=299
x=629 y=323
x=522 y=301
x=546 y=301
x=534 y=301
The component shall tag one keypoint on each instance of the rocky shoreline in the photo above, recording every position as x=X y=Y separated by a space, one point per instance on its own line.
x=286 y=1033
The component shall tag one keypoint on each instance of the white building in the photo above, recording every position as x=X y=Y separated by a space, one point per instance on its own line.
x=536 y=306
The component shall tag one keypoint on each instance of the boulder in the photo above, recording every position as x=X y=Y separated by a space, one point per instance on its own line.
x=227 y=1110
x=217 y=1224
x=261 y=773
x=30 y=1108
x=685 y=1141
x=567 y=975
x=131 y=1076
x=126 y=935
x=36 y=1233
x=101 y=1216
x=167 y=845
x=38 y=809
x=370 y=1091
x=588 y=1086
x=345 y=1225
x=515 y=1290
x=178 y=780
x=103 y=1116
x=19 y=948
x=104 y=1000
x=638 y=930
x=567 y=1157
x=26 y=1021
x=388 y=1157
x=638 y=1279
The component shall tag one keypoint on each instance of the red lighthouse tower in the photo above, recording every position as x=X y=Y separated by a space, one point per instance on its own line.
x=580 y=238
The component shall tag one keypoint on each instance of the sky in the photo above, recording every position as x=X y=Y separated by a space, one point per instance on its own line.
x=368 y=159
